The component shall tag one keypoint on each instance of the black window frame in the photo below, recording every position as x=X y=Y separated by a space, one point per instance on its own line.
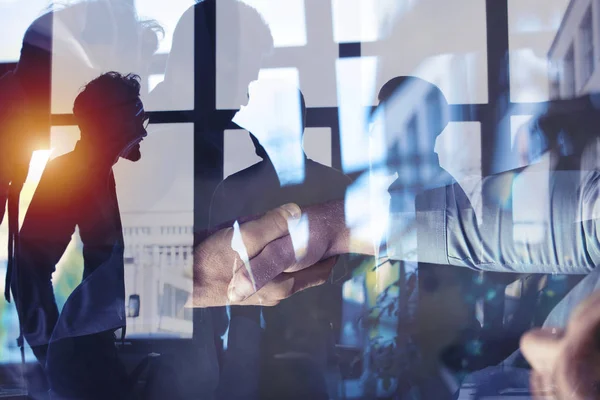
x=494 y=116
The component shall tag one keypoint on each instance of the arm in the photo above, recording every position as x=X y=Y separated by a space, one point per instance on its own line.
x=224 y=251
x=526 y=227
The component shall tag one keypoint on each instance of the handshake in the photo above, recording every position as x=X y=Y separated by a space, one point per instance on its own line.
x=260 y=261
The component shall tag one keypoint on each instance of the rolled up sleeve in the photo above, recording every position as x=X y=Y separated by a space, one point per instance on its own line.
x=529 y=224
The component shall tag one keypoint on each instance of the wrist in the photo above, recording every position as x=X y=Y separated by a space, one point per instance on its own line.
x=327 y=223
x=341 y=237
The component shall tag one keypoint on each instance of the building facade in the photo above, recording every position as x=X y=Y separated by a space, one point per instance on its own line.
x=574 y=55
x=158 y=269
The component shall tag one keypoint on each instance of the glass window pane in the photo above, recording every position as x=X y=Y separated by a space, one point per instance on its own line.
x=535 y=54
x=523 y=145
x=586 y=36
x=317 y=145
x=567 y=74
x=167 y=14
x=244 y=47
x=356 y=21
x=286 y=19
x=90 y=38
x=447 y=46
x=156 y=197
x=239 y=152
x=176 y=51
x=9 y=324
x=15 y=18
x=156 y=203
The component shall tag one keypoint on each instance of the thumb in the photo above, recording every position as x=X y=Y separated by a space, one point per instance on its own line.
x=541 y=347
x=274 y=224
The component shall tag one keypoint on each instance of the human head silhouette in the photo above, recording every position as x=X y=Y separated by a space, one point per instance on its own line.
x=227 y=62
x=87 y=38
x=111 y=115
x=398 y=100
x=392 y=91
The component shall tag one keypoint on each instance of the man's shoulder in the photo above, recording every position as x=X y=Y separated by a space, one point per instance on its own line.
x=246 y=176
x=327 y=173
x=61 y=167
x=63 y=176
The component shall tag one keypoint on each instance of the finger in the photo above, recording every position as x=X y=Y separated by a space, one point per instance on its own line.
x=288 y=284
x=312 y=276
x=541 y=348
x=274 y=224
x=275 y=258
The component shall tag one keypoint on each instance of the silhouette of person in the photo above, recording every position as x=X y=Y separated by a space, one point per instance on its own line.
x=221 y=72
x=78 y=190
x=433 y=324
x=24 y=124
x=223 y=69
x=92 y=37
x=566 y=242
x=23 y=117
x=304 y=322
x=65 y=47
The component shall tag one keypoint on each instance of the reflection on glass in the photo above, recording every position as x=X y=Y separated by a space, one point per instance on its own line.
x=317 y=145
x=243 y=40
x=171 y=69
x=530 y=76
x=275 y=117
x=586 y=35
x=156 y=203
x=442 y=42
x=367 y=206
x=523 y=143
x=531 y=203
x=167 y=14
x=238 y=151
x=315 y=59
x=533 y=26
x=15 y=18
x=286 y=19
x=355 y=21
x=9 y=323
x=354 y=305
x=356 y=88
x=89 y=38
x=567 y=75
x=459 y=150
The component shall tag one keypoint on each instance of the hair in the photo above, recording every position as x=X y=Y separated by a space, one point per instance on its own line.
x=390 y=87
x=109 y=90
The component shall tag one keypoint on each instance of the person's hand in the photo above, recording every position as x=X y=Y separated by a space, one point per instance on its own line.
x=218 y=256
x=304 y=253
x=566 y=363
